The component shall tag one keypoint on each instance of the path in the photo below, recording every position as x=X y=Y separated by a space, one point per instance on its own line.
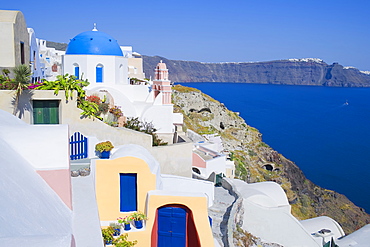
x=219 y=212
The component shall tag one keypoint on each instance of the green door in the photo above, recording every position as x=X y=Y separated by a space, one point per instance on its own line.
x=46 y=111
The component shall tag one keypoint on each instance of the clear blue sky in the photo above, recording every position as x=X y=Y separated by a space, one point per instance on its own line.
x=214 y=30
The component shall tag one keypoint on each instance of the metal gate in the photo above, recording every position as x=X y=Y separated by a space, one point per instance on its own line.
x=78 y=146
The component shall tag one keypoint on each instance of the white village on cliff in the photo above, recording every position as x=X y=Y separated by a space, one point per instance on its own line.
x=56 y=191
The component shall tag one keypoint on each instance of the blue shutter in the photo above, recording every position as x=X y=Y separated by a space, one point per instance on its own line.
x=99 y=74
x=171 y=227
x=77 y=72
x=128 y=192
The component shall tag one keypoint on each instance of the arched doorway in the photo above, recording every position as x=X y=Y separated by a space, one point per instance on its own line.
x=176 y=227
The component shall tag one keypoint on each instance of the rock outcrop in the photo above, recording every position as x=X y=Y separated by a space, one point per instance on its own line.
x=287 y=72
x=255 y=161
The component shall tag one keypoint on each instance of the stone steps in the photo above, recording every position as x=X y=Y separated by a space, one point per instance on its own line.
x=219 y=212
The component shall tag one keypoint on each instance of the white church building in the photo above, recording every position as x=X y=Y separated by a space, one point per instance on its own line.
x=97 y=57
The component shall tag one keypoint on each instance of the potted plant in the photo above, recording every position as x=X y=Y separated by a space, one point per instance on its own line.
x=117 y=228
x=138 y=218
x=125 y=222
x=122 y=241
x=104 y=149
x=107 y=234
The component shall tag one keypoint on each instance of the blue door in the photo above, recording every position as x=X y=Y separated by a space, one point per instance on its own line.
x=128 y=192
x=171 y=227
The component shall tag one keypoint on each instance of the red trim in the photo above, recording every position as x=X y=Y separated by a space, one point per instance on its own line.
x=154 y=237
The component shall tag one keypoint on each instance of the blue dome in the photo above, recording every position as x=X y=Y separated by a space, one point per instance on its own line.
x=93 y=43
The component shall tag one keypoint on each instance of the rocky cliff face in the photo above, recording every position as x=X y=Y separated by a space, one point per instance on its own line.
x=287 y=72
x=255 y=161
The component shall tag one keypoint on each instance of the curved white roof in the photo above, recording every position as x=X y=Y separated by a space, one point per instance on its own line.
x=137 y=151
x=9 y=15
x=323 y=222
x=266 y=194
x=359 y=238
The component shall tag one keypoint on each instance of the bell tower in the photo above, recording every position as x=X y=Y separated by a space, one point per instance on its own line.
x=161 y=84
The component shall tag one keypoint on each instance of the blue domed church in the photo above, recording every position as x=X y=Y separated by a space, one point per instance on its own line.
x=96 y=56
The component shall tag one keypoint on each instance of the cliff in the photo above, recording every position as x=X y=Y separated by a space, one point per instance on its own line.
x=287 y=72
x=255 y=161
x=56 y=45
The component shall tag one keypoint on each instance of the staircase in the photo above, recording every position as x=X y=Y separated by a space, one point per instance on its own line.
x=220 y=212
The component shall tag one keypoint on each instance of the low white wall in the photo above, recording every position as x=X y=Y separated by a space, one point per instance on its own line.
x=182 y=184
x=174 y=159
x=178 y=118
x=104 y=132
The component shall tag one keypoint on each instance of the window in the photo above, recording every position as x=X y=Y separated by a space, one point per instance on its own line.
x=34 y=60
x=77 y=72
x=128 y=192
x=22 y=53
x=99 y=73
x=46 y=111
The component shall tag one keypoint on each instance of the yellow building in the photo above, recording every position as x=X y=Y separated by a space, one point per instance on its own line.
x=131 y=181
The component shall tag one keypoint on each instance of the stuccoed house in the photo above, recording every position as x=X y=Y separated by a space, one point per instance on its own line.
x=176 y=207
x=14 y=40
x=208 y=157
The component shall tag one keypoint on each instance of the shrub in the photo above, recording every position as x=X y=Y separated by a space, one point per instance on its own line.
x=103 y=108
x=116 y=111
x=148 y=128
x=107 y=234
x=104 y=146
x=122 y=241
x=94 y=98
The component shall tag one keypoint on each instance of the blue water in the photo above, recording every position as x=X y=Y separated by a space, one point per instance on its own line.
x=312 y=126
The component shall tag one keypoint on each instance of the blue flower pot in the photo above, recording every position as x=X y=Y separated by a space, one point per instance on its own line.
x=127 y=227
x=105 y=155
x=117 y=232
x=138 y=224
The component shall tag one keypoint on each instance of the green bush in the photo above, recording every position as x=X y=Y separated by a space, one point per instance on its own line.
x=104 y=146
x=122 y=241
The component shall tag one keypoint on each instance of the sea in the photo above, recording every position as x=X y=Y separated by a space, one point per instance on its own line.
x=324 y=130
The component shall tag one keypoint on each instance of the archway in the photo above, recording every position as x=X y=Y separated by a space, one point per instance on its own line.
x=174 y=226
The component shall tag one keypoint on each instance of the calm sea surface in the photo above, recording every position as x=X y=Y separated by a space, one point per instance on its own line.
x=312 y=126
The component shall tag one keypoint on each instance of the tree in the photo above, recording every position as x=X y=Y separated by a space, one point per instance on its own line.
x=22 y=74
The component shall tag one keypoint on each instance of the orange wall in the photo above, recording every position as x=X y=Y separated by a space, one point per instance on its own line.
x=108 y=185
x=149 y=200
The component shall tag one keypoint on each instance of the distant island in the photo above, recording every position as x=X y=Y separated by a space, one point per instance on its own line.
x=307 y=71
